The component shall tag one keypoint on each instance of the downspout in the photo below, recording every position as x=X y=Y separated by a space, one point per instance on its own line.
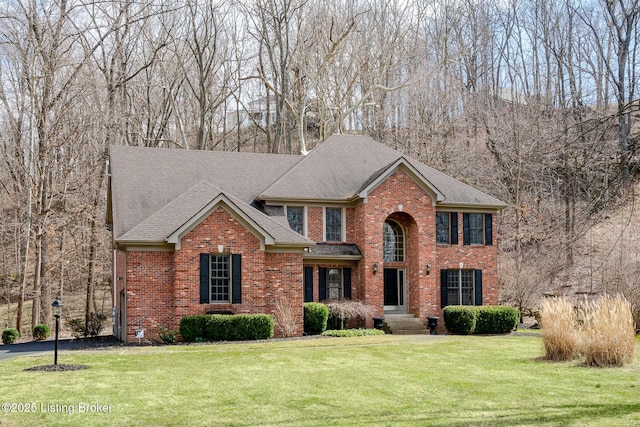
x=116 y=332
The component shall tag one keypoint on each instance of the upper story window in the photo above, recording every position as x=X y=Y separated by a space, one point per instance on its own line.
x=333 y=225
x=447 y=227
x=295 y=216
x=392 y=242
x=477 y=228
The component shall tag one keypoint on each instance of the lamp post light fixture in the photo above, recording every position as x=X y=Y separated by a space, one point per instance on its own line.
x=375 y=268
x=57 y=312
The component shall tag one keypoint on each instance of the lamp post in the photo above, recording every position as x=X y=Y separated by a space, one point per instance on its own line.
x=57 y=311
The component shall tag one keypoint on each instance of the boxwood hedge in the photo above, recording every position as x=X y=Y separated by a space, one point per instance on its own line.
x=459 y=319
x=218 y=327
x=486 y=320
x=315 y=318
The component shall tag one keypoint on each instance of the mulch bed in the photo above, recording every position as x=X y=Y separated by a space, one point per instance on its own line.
x=60 y=367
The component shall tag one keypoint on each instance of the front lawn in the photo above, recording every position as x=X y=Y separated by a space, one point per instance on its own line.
x=377 y=381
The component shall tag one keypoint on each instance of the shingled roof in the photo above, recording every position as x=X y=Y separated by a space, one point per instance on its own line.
x=344 y=165
x=155 y=192
x=144 y=180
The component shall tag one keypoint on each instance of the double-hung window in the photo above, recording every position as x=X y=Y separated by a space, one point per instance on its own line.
x=477 y=228
x=447 y=228
x=295 y=216
x=333 y=224
x=461 y=287
x=220 y=278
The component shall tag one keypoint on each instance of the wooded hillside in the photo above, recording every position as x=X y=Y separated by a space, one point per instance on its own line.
x=533 y=102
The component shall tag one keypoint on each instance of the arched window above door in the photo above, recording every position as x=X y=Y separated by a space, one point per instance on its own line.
x=393 y=242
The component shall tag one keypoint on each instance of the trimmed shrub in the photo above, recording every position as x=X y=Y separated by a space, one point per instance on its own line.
x=559 y=330
x=609 y=332
x=460 y=319
x=485 y=319
x=239 y=327
x=10 y=335
x=217 y=327
x=496 y=319
x=315 y=318
x=352 y=332
x=192 y=327
x=41 y=332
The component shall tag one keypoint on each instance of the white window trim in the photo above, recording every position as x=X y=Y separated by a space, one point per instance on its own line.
x=343 y=228
x=305 y=223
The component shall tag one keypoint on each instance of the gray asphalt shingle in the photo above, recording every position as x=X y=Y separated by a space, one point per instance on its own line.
x=155 y=191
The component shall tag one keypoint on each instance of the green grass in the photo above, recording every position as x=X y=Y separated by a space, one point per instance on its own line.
x=360 y=381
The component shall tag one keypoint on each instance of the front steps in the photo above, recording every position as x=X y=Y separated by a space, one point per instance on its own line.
x=404 y=324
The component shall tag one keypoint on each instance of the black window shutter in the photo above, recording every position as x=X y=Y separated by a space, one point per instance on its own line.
x=488 y=229
x=466 y=235
x=453 y=220
x=478 y=285
x=308 y=284
x=322 y=284
x=443 y=288
x=346 y=280
x=236 y=279
x=204 y=278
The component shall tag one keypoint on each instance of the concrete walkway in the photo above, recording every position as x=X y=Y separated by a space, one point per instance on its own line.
x=8 y=351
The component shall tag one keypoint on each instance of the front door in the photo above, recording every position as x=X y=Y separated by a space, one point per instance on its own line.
x=394 y=290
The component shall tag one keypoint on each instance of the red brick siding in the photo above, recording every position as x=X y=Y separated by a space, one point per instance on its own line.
x=478 y=257
x=265 y=277
x=284 y=281
x=315 y=228
x=418 y=220
x=149 y=292
x=162 y=287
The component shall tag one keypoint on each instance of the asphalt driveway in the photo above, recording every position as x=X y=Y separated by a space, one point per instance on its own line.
x=8 y=351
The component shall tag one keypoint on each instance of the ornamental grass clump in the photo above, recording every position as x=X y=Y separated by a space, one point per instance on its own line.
x=609 y=331
x=559 y=332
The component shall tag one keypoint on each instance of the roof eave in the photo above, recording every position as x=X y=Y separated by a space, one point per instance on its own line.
x=144 y=245
x=277 y=201
x=472 y=206
x=309 y=257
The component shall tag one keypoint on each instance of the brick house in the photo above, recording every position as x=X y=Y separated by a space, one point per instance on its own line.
x=209 y=231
